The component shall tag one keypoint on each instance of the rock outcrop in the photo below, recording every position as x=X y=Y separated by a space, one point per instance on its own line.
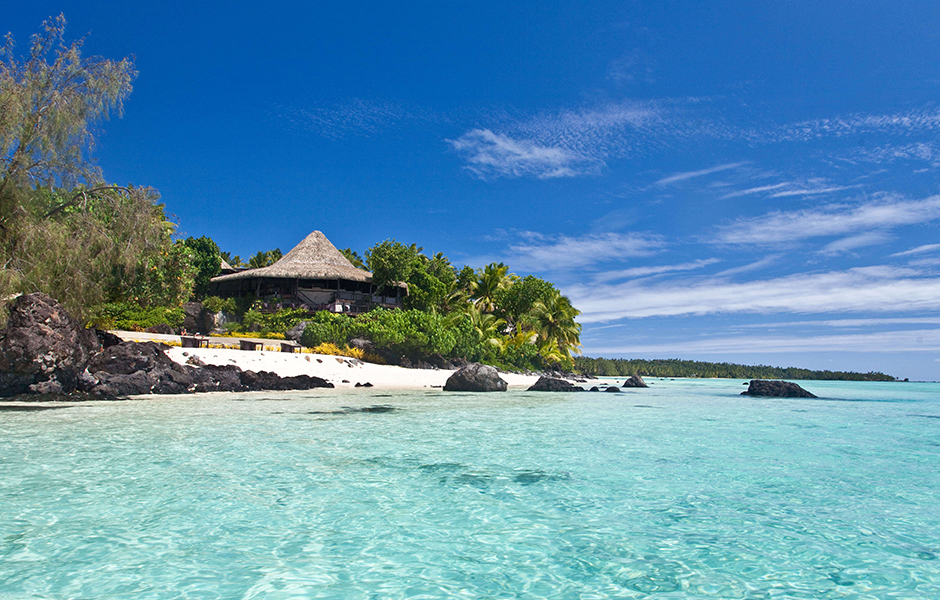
x=475 y=378
x=634 y=381
x=135 y=368
x=776 y=389
x=43 y=349
x=196 y=319
x=294 y=333
x=553 y=384
x=45 y=352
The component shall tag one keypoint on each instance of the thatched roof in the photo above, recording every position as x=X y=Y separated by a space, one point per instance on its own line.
x=225 y=267
x=313 y=258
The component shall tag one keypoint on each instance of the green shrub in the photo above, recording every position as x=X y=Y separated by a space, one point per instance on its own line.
x=215 y=304
x=406 y=332
x=127 y=316
x=326 y=328
x=276 y=322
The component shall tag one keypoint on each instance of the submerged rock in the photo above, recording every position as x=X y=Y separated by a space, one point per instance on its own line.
x=635 y=381
x=552 y=384
x=776 y=389
x=476 y=378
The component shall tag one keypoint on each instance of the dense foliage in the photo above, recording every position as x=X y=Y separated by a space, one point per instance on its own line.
x=63 y=230
x=131 y=317
x=206 y=260
x=619 y=367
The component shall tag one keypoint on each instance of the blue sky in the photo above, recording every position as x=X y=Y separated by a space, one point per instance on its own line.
x=753 y=182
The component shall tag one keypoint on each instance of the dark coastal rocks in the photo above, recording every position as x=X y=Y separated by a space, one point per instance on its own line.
x=635 y=381
x=107 y=339
x=776 y=389
x=476 y=378
x=196 y=319
x=552 y=384
x=296 y=332
x=613 y=389
x=43 y=350
x=46 y=354
x=138 y=368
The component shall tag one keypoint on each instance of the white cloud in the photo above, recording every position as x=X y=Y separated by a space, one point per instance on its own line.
x=919 y=250
x=870 y=289
x=491 y=153
x=855 y=242
x=922 y=340
x=847 y=323
x=755 y=190
x=781 y=228
x=808 y=191
x=561 y=253
x=657 y=270
x=691 y=174
x=754 y=266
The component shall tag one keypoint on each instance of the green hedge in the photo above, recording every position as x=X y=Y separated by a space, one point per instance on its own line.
x=127 y=316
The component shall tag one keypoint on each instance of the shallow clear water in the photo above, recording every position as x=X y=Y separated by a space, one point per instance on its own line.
x=682 y=490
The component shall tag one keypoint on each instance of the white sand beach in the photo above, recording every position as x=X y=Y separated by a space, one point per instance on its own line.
x=338 y=370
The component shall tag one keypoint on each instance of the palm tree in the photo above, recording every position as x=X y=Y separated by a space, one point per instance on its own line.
x=491 y=279
x=553 y=318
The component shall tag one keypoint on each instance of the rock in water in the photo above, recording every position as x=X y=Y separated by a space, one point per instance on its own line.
x=776 y=389
x=43 y=349
x=476 y=378
x=635 y=381
x=552 y=384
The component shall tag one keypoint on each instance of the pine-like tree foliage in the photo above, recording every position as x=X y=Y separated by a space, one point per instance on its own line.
x=48 y=105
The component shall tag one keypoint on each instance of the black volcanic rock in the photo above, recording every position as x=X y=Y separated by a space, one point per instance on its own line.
x=635 y=381
x=776 y=389
x=46 y=353
x=43 y=350
x=552 y=384
x=475 y=378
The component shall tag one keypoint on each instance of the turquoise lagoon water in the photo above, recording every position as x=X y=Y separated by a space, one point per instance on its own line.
x=683 y=490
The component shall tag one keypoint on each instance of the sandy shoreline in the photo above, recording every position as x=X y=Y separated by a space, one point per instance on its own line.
x=340 y=371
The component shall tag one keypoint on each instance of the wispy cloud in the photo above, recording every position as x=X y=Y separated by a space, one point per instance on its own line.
x=561 y=253
x=855 y=242
x=490 y=154
x=869 y=289
x=755 y=190
x=867 y=323
x=563 y=143
x=649 y=271
x=921 y=340
x=692 y=174
x=814 y=191
x=750 y=267
x=919 y=250
x=782 y=228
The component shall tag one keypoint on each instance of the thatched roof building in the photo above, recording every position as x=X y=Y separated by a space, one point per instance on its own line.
x=313 y=274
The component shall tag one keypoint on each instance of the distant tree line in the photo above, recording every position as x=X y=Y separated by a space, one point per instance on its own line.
x=622 y=367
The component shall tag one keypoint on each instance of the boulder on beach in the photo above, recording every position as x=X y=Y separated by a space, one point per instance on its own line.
x=43 y=350
x=475 y=378
x=635 y=381
x=776 y=389
x=553 y=384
